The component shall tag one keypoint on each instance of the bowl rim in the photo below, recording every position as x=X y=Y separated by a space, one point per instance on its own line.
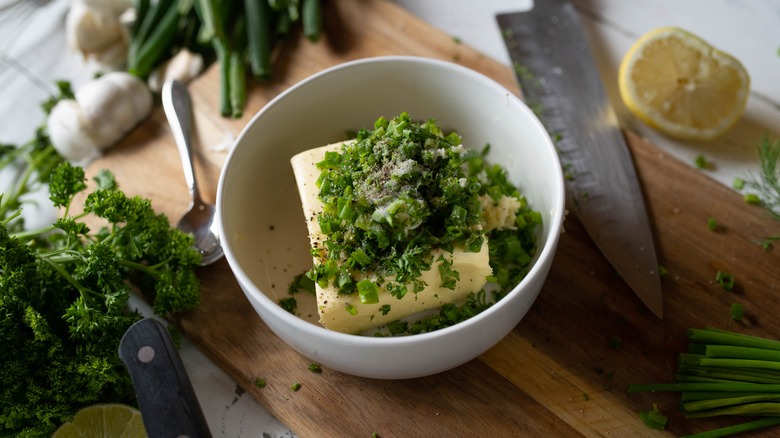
x=555 y=216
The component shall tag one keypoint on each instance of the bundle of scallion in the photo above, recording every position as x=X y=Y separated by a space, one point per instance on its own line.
x=726 y=373
x=239 y=35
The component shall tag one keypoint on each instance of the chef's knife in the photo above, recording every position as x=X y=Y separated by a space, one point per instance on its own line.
x=559 y=78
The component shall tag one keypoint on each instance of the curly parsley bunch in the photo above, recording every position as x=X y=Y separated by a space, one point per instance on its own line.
x=64 y=294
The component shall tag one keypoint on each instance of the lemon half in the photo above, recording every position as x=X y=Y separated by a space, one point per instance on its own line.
x=104 y=420
x=679 y=84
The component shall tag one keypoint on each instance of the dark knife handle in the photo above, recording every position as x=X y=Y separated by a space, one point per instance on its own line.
x=167 y=401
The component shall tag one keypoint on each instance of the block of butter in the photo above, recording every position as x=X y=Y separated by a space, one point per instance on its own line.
x=473 y=267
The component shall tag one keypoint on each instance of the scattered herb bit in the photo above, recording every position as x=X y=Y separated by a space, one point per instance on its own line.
x=766 y=242
x=752 y=199
x=289 y=304
x=302 y=283
x=712 y=224
x=725 y=280
x=385 y=309
x=713 y=379
x=615 y=342
x=738 y=183
x=295 y=386
x=456 y=40
x=374 y=435
x=315 y=368
x=585 y=396
x=701 y=162
x=352 y=310
x=260 y=383
x=653 y=418
x=736 y=311
x=662 y=271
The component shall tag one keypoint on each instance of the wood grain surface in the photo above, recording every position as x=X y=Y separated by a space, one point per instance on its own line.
x=560 y=372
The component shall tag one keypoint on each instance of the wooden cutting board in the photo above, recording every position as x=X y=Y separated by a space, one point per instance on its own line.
x=564 y=369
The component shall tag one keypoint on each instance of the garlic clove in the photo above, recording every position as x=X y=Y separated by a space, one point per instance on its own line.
x=69 y=133
x=113 y=104
x=184 y=66
x=90 y=32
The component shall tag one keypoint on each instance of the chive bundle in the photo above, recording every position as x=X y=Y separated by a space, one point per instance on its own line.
x=727 y=373
x=240 y=36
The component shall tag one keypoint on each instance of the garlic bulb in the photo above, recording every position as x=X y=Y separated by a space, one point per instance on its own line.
x=183 y=67
x=103 y=112
x=94 y=28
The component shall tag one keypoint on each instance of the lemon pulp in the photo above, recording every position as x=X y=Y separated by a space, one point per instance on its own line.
x=679 y=84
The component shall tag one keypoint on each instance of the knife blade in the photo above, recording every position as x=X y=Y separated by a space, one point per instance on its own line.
x=559 y=79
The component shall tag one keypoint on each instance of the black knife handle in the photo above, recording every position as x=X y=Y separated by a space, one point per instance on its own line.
x=167 y=401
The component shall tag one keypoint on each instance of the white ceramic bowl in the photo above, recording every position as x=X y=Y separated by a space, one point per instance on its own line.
x=263 y=229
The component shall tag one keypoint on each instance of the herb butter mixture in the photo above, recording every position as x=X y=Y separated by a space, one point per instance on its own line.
x=398 y=196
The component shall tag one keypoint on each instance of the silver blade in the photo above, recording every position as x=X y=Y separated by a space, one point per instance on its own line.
x=560 y=81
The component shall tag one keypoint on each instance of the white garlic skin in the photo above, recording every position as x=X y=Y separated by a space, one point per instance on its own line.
x=103 y=112
x=183 y=67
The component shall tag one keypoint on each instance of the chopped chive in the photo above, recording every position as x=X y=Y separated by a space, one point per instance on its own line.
x=725 y=280
x=736 y=312
x=653 y=418
x=295 y=386
x=369 y=292
x=712 y=223
x=752 y=199
x=259 y=383
x=701 y=162
x=738 y=183
x=314 y=367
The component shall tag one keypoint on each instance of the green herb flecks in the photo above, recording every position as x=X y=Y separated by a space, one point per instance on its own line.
x=653 y=418
x=400 y=191
x=725 y=280
x=390 y=197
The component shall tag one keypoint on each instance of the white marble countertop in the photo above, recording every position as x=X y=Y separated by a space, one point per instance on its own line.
x=746 y=29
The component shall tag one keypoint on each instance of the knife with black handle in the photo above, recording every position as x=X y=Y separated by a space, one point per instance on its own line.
x=168 y=404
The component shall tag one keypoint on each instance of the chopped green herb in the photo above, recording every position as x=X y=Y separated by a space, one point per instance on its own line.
x=653 y=418
x=301 y=283
x=725 y=280
x=449 y=277
x=662 y=271
x=385 y=309
x=295 y=386
x=289 y=304
x=259 y=383
x=736 y=312
x=701 y=162
x=738 y=183
x=615 y=342
x=712 y=223
x=315 y=368
x=456 y=40
x=400 y=191
x=751 y=198
x=585 y=396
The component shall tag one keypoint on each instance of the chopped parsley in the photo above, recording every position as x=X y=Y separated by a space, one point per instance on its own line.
x=390 y=197
x=396 y=193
